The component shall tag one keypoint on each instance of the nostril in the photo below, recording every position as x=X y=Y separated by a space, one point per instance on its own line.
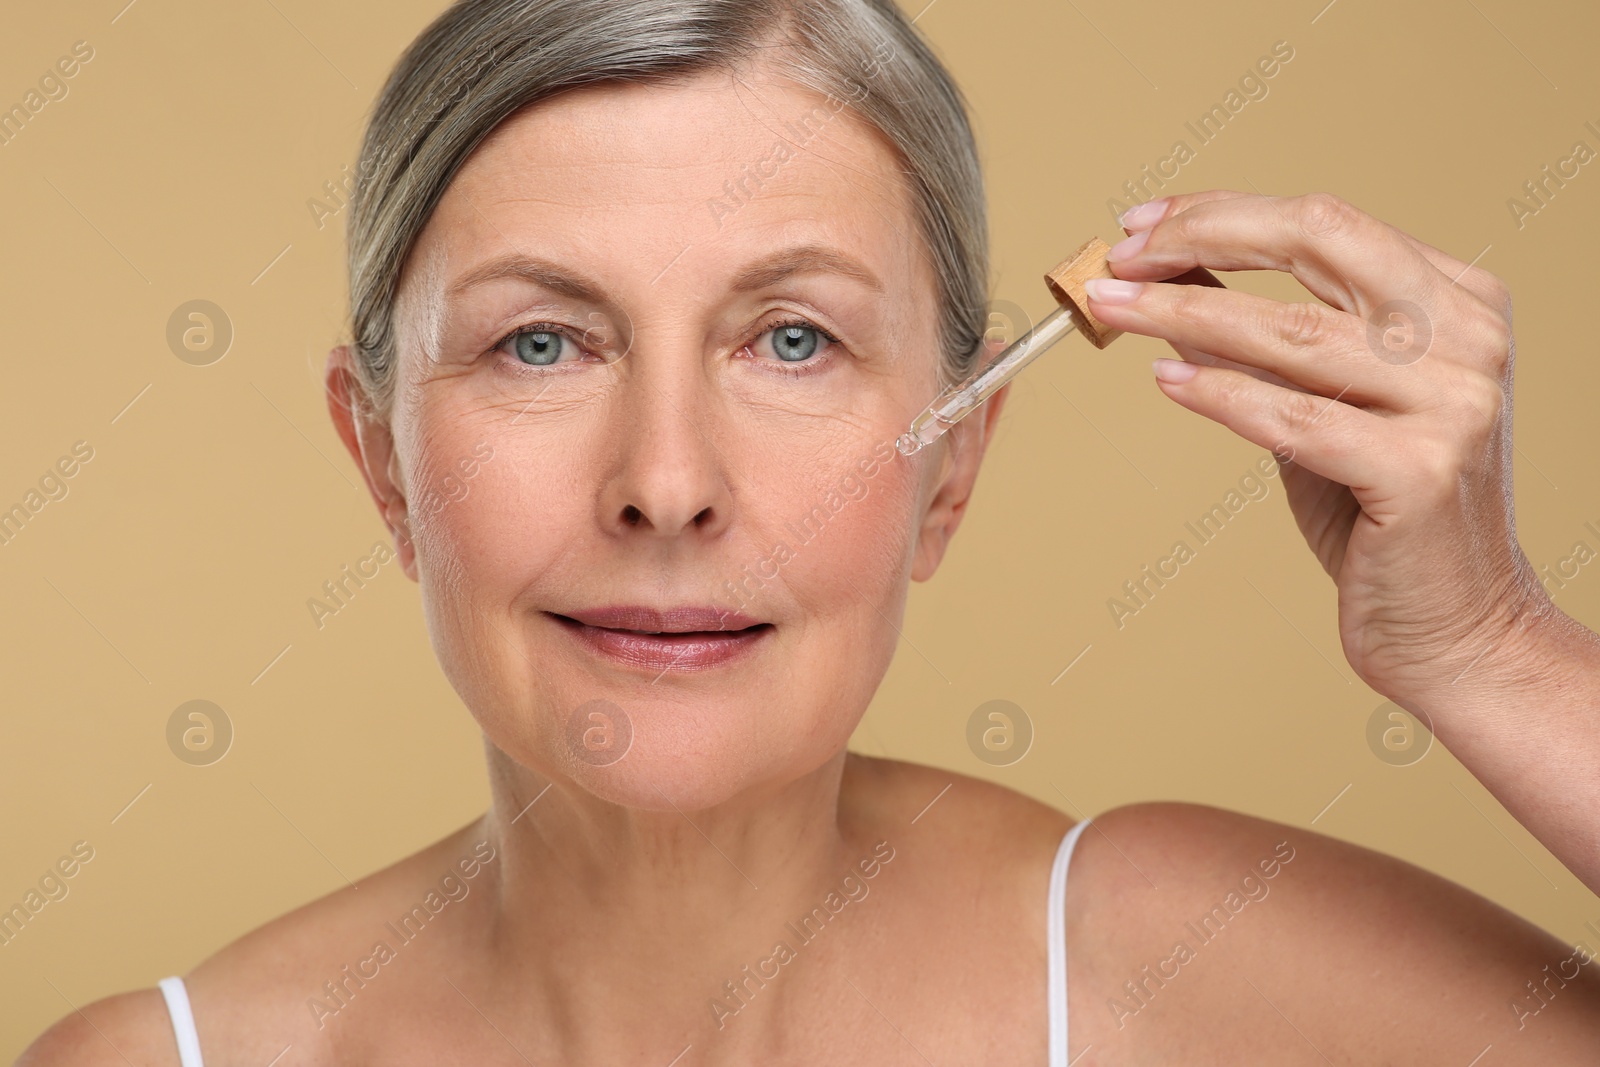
x=703 y=518
x=632 y=515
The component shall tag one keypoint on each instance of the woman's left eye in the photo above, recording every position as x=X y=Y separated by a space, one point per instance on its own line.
x=795 y=345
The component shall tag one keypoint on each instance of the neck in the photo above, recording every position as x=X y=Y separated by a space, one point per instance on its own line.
x=622 y=929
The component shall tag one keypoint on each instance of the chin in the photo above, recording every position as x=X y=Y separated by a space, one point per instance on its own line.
x=673 y=755
x=666 y=782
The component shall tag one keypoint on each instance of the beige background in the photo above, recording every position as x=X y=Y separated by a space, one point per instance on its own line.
x=178 y=567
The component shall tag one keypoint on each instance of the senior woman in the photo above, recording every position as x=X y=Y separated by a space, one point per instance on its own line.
x=660 y=273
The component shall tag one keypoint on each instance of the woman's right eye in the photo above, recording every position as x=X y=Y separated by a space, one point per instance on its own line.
x=538 y=346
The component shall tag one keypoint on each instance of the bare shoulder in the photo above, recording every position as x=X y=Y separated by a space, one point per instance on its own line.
x=277 y=987
x=1197 y=928
x=290 y=983
x=115 y=1030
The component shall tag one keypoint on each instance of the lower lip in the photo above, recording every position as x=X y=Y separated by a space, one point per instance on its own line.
x=668 y=652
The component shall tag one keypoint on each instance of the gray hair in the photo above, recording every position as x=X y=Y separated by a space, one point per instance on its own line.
x=482 y=60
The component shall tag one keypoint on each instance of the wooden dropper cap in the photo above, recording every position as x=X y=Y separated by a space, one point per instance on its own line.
x=1066 y=284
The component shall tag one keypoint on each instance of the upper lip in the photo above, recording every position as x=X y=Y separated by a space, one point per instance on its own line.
x=685 y=619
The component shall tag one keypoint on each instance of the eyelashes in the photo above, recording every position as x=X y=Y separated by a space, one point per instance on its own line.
x=822 y=358
x=568 y=336
x=792 y=368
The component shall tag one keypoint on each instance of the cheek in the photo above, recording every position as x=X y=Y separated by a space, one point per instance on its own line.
x=849 y=585
x=834 y=533
x=486 y=531
x=483 y=561
x=489 y=530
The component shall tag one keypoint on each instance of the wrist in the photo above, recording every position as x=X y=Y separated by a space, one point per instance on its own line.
x=1527 y=645
x=1510 y=641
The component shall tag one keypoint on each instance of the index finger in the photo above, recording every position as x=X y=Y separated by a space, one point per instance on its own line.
x=1341 y=254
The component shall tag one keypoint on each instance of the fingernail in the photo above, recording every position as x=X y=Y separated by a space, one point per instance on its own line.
x=1128 y=247
x=1112 y=290
x=1143 y=216
x=1174 y=370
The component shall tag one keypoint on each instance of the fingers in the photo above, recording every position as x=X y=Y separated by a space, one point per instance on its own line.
x=1344 y=256
x=1321 y=386
x=1475 y=280
x=1143 y=216
x=1202 y=277
x=1325 y=436
x=1306 y=344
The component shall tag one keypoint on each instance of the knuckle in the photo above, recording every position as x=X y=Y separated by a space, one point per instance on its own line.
x=1301 y=324
x=1226 y=386
x=1297 y=412
x=1189 y=306
x=1324 y=215
x=1434 y=463
x=1495 y=292
x=1183 y=226
x=1493 y=329
x=1485 y=394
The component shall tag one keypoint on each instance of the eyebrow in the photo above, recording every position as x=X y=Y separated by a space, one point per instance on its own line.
x=772 y=270
x=805 y=259
x=538 y=271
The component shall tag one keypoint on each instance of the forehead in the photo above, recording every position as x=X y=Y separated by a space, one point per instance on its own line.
x=655 y=186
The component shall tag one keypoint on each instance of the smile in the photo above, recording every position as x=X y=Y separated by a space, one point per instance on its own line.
x=677 y=639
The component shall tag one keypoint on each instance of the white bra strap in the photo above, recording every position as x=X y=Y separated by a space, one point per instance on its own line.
x=177 y=998
x=1057 y=927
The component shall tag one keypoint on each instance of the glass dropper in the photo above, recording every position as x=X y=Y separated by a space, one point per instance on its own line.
x=959 y=401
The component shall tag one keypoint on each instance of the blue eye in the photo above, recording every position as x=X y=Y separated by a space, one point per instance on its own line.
x=794 y=343
x=538 y=347
x=797 y=343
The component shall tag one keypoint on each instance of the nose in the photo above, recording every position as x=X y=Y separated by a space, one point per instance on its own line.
x=671 y=474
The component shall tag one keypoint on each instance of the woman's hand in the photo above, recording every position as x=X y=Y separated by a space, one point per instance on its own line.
x=1389 y=409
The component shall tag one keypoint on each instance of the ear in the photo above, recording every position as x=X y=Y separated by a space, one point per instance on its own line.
x=371 y=445
x=964 y=446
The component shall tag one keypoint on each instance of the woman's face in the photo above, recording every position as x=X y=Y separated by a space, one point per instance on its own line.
x=655 y=346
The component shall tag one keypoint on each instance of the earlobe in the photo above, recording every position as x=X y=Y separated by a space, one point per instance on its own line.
x=397 y=515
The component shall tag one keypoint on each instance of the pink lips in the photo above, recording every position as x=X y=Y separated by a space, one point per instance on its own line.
x=683 y=638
